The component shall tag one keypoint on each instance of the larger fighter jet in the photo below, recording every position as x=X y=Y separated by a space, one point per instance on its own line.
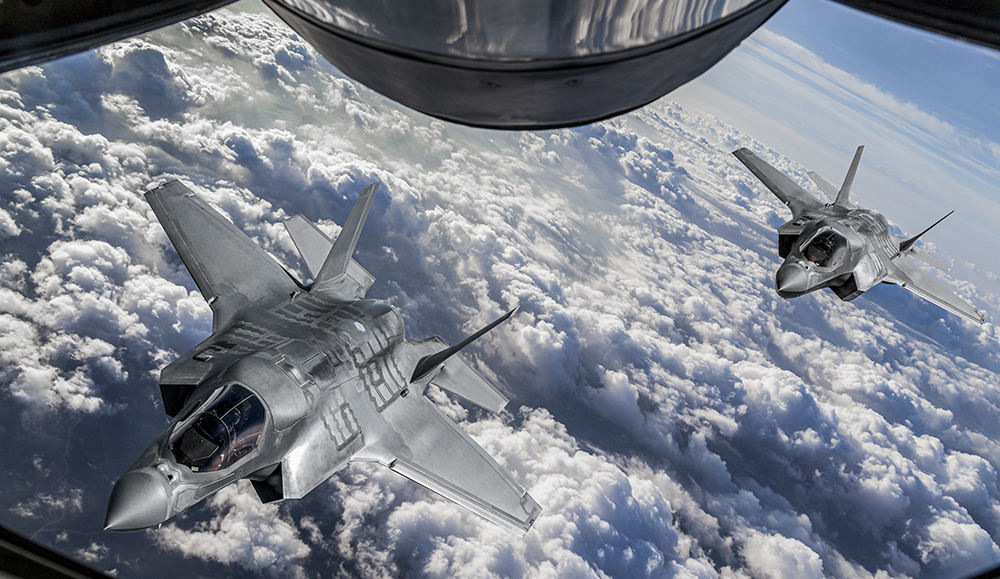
x=296 y=382
x=840 y=246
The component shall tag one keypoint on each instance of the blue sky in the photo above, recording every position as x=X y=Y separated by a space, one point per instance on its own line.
x=820 y=78
x=955 y=80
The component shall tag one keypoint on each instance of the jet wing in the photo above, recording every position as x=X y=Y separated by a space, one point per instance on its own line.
x=923 y=285
x=789 y=192
x=232 y=272
x=439 y=455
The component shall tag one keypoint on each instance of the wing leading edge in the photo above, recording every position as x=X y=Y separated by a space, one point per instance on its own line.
x=230 y=269
x=440 y=456
x=789 y=192
x=923 y=285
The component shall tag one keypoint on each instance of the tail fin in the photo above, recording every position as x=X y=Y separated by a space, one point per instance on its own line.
x=825 y=186
x=332 y=277
x=314 y=246
x=845 y=189
x=906 y=245
x=432 y=361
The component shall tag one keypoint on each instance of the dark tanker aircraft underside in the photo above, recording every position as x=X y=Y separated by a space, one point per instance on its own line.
x=518 y=64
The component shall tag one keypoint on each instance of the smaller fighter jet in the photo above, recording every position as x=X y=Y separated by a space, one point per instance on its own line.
x=845 y=248
x=297 y=381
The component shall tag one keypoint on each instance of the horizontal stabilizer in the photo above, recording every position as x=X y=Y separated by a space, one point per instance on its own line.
x=787 y=191
x=927 y=258
x=825 y=186
x=314 y=246
x=231 y=270
x=909 y=277
x=429 y=362
x=443 y=458
x=331 y=279
x=845 y=189
x=458 y=378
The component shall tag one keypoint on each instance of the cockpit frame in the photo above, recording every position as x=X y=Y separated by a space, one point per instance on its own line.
x=220 y=432
x=826 y=248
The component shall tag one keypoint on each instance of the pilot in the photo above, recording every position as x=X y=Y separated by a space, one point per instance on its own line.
x=822 y=248
x=222 y=434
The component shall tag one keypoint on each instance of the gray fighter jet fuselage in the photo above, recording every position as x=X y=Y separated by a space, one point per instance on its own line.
x=295 y=382
x=843 y=247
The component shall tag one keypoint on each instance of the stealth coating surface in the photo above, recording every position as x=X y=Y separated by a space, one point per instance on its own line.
x=843 y=247
x=299 y=382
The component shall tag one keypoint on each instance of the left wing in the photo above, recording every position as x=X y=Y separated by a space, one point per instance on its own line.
x=231 y=270
x=789 y=192
x=921 y=284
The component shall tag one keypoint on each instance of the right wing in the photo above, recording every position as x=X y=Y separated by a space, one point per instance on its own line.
x=789 y=192
x=231 y=271
x=434 y=452
x=923 y=285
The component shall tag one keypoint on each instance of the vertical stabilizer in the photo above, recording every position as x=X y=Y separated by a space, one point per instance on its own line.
x=845 y=189
x=825 y=186
x=906 y=245
x=432 y=361
x=332 y=278
x=314 y=246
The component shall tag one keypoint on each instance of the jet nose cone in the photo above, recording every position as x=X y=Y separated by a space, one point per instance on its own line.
x=791 y=280
x=139 y=500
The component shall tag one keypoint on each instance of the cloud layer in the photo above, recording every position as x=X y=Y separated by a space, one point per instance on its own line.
x=672 y=415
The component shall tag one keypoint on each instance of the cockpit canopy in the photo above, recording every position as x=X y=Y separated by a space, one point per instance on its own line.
x=827 y=249
x=221 y=434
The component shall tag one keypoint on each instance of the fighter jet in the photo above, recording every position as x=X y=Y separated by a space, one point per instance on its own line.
x=297 y=381
x=840 y=246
